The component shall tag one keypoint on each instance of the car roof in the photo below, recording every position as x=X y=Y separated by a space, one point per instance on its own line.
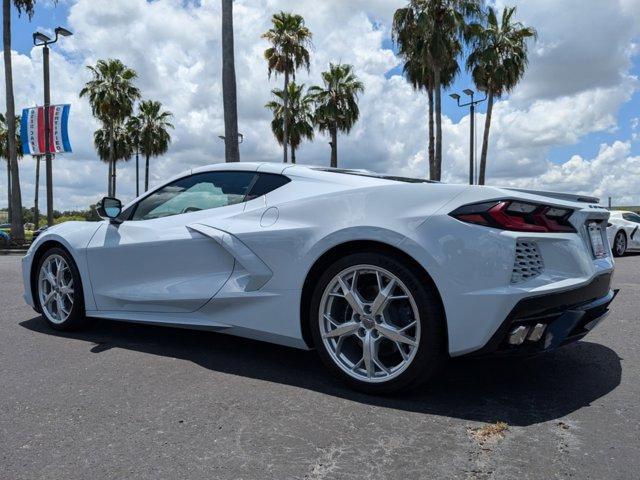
x=339 y=175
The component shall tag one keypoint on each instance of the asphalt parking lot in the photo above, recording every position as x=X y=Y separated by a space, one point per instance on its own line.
x=131 y=401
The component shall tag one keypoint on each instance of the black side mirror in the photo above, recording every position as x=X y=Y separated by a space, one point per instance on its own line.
x=109 y=208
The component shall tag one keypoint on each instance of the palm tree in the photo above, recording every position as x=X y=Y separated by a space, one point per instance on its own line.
x=290 y=42
x=420 y=77
x=113 y=141
x=4 y=153
x=27 y=6
x=154 y=135
x=497 y=63
x=337 y=103
x=301 y=119
x=230 y=103
x=431 y=33
x=111 y=94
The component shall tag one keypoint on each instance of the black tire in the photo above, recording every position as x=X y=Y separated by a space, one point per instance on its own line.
x=431 y=351
x=76 y=319
x=620 y=244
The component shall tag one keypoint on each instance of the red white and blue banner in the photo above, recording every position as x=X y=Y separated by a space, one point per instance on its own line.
x=32 y=130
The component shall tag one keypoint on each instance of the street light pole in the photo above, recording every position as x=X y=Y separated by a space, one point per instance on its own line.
x=47 y=134
x=472 y=113
x=42 y=40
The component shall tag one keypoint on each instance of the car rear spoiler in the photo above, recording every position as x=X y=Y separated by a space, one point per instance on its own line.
x=561 y=196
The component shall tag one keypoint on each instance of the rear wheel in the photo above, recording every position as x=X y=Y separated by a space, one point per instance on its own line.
x=620 y=244
x=59 y=291
x=376 y=324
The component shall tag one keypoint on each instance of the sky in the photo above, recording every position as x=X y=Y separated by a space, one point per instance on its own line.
x=572 y=124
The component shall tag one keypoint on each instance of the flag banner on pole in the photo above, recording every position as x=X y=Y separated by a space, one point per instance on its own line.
x=32 y=130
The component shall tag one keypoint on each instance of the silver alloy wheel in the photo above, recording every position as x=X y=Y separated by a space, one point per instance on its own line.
x=369 y=323
x=620 y=244
x=55 y=289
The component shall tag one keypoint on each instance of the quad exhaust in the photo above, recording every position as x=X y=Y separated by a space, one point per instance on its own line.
x=519 y=334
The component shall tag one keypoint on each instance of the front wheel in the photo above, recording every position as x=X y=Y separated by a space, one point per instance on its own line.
x=59 y=291
x=620 y=244
x=376 y=324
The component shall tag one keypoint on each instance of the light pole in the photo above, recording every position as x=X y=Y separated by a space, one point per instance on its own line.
x=472 y=109
x=42 y=40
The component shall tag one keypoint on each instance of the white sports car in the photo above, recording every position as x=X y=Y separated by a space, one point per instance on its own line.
x=386 y=277
x=623 y=233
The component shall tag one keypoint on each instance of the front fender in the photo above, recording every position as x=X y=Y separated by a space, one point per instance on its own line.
x=74 y=237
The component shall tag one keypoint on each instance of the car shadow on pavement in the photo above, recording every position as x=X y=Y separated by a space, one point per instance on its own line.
x=517 y=391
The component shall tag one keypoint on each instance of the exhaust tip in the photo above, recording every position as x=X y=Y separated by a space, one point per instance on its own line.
x=518 y=335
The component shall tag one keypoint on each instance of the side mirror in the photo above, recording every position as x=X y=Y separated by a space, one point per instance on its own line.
x=109 y=208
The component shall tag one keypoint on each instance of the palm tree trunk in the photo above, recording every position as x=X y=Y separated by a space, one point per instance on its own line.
x=112 y=161
x=485 y=140
x=438 y=152
x=432 y=162
x=334 y=146
x=285 y=127
x=17 y=227
x=36 y=211
x=8 y=191
x=109 y=179
x=293 y=155
x=115 y=163
x=146 y=173
x=231 y=148
x=137 y=172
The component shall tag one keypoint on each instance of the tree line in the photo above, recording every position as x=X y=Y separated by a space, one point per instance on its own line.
x=331 y=107
x=433 y=35
x=112 y=94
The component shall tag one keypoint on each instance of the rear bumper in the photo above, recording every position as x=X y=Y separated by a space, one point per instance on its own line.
x=567 y=316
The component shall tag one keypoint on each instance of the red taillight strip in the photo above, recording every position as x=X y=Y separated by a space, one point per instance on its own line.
x=513 y=222
x=497 y=215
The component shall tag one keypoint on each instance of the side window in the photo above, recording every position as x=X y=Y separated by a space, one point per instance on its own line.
x=201 y=191
x=266 y=182
x=631 y=217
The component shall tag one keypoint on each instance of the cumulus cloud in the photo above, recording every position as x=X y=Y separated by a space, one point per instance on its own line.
x=578 y=78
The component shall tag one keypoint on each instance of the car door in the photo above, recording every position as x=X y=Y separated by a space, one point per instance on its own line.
x=153 y=261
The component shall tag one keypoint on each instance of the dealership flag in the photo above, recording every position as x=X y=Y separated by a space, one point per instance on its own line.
x=32 y=130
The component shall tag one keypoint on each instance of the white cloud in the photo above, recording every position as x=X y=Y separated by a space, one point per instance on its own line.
x=576 y=83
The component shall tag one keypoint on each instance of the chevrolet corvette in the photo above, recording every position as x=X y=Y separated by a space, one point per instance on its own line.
x=385 y=277
x=622 y=231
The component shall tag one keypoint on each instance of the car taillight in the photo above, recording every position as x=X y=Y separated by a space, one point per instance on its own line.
x=517 y=216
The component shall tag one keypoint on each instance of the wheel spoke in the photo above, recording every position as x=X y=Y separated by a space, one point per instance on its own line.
x=48 y=298
x=346 y=328
x=351 y=296
x=339 y=344
x=49 y=277
x=395 y=335
x=383 y=297
x=407 y=327
x=66 y=290
x=401 y=350
x=369 y=355
x=61 y=307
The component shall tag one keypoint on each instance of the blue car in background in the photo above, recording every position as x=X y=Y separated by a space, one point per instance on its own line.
x=4 y=239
